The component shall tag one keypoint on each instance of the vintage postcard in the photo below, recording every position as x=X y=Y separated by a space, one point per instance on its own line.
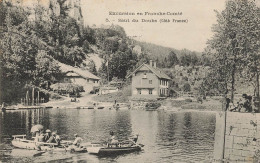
x=129 y=81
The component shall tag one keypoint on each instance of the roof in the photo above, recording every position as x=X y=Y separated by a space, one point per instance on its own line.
x=84 y=73
x=159 y=73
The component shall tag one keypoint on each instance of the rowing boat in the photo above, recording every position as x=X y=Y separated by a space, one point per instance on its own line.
x=113 y=149
x=19 y=141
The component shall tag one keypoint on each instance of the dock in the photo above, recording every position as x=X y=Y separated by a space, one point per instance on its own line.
x=22 y=107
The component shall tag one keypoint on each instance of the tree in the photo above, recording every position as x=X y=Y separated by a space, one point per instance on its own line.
x=186 y=87
x=172 y=60
x=103 y=71
x=91 y=66
x=120 y=63
x=231 y=41
x=46 y=68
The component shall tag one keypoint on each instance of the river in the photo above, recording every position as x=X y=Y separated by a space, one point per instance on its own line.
x=167 y=136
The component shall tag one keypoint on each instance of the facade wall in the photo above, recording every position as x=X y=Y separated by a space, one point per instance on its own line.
x=87 y=84
x=242 y=137
x=144 y=83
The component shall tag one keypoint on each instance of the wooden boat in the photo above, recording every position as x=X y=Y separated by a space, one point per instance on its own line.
x=112 y=149
x=21 y=142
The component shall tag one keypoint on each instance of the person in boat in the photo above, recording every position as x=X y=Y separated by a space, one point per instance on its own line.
x=112 y=139
x=47 y=135
x=41 y=136
x=37 y=134
x=77 y=140
x=52 y=139
x=135 y=138
x=58 y=139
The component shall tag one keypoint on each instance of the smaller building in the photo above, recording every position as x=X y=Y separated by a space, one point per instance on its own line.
x=149 y=82
x=79 y=77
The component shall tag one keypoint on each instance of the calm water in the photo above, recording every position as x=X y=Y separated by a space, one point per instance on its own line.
x=167 y=136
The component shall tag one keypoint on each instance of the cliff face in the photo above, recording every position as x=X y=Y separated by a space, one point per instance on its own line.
x=52 y=7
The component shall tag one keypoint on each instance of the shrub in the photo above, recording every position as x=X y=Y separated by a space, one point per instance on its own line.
x=188 y=100
x=153 y=105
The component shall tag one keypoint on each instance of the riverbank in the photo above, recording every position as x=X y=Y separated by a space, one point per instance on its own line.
x=191 y=104
x=86 y=100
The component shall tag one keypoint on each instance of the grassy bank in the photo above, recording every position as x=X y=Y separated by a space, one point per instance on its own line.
x=186 y=104
x=210 y=105
x=121 y=96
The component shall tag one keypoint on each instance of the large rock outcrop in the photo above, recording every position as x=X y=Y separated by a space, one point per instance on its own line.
x=73 y=8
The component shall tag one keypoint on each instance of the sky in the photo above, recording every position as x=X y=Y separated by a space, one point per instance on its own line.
x=192 y=35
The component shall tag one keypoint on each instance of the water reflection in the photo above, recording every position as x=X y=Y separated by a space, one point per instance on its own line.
x=168 y=137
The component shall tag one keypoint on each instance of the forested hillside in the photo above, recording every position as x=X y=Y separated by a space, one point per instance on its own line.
x=168 y=57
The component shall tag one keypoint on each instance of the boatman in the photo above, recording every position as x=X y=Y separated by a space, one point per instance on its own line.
x=77 y=140
x=113 y=138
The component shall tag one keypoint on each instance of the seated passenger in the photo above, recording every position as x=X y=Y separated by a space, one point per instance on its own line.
x=41 y=137
x=52 y=139
x=113 y=138
x=47 y=135
x=77 y=140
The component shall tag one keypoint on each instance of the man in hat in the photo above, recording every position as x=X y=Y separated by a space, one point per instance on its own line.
x=47 y=135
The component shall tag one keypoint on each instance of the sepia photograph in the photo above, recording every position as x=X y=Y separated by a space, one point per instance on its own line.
x=125 y=81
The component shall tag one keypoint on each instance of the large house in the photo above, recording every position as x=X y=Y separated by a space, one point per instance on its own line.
x=80 y=77
x=149 y=82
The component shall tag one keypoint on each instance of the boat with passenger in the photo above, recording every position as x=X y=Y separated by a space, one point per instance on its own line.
x=20 y=141
x=113 y=149
x=45 y=142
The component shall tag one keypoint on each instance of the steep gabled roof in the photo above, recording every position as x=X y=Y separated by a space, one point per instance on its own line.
x=84 y=73
x=159 y=73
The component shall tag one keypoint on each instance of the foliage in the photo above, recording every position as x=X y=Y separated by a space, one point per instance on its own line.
x=92 y=67
x=172 y=60
x=234 y=47
x=153 y=105
x=186 y=87
x=188 y=100
x=120 y=63
x=46 y=68
x=27 y=46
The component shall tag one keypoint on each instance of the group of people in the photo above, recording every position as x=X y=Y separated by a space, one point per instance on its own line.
x=47 y=137
x=53 y=137
x=243 y=105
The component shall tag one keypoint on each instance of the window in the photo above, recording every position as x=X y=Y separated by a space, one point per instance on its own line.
x=150 y=82
x=139 y=91
x=150 y=91
x=145 y=75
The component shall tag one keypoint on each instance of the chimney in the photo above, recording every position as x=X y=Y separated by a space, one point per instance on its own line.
x=154 y=64
x=151 y=63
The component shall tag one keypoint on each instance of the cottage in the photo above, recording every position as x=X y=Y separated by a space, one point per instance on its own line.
x=149 y=82
x=80 y=77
